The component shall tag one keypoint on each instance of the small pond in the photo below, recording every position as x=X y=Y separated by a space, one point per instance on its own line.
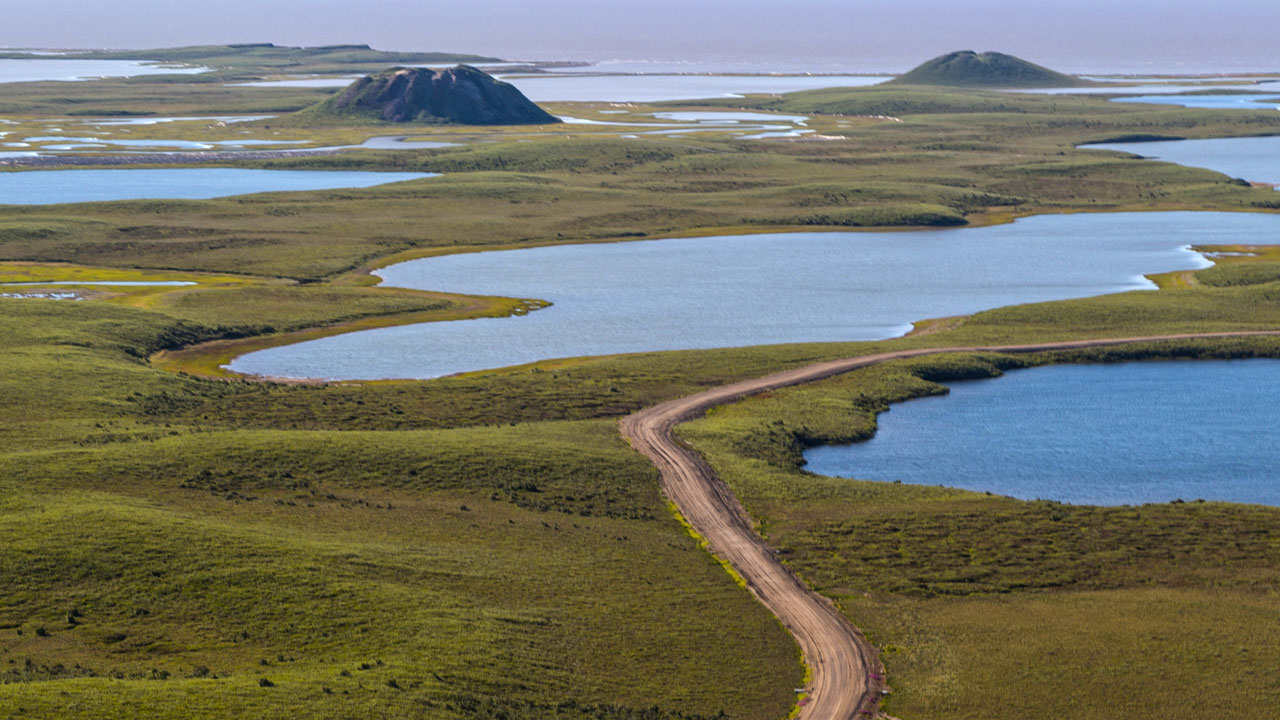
x=1256 y=159
x=1087 y=434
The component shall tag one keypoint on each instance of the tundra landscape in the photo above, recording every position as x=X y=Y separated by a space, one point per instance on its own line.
x=342 y=382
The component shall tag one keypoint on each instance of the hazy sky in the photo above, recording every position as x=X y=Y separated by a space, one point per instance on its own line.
x=1073 y=35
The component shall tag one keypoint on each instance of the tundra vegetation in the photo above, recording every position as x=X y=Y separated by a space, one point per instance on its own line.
x=486 y=545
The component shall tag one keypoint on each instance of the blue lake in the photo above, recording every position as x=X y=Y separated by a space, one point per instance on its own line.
x=1086 y=434
x=46 y=187
x=757 y=289
x=1256 y=159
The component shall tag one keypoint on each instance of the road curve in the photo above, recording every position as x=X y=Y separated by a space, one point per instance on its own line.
x=845 y=672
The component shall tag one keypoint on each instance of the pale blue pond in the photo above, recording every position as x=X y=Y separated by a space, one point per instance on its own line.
x=71 y=69
x=1087 y=434
x=46 y=187
x=59 y=142
x=1170 y=88
x=1256 y=159
x=758 y=289
x=224 y=119
x=401 y=142
x=735 y=116
x=691 y=122
x=1235 y=101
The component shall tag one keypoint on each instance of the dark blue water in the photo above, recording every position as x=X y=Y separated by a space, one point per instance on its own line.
x=1087 y=434
x=45 y=187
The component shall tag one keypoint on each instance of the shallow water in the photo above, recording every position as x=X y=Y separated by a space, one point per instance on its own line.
x=1091 y=434
x=710 y=116
x=768 y=134
x=41 y=296
x=1256 y=159
x=692 y=122
x=401 y=142
x=758 y=289
x=1177 y=80
x=74 y=143
x=44 y=187
x=655 y=88
x=1169 y=88
x=69 y=69
x=1247 y=101
x=226 y=119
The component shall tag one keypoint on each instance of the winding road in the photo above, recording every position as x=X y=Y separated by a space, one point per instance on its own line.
x=845 y=672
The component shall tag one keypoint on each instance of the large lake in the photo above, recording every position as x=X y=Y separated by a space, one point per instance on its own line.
x=46 y=187
x=1256 y=159
x=1090 y=434
x=71 y=69
x=757 y=289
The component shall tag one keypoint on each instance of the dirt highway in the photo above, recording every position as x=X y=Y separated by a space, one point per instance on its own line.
x=846 y=675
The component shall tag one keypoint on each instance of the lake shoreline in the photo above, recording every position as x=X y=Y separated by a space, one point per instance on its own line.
x=363 y=276
x=967 y=408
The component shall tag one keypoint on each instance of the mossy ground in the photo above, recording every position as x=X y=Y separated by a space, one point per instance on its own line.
x=486 y=545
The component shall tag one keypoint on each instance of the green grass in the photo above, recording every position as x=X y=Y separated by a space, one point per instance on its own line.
x=271 y=308
x=989 y=607
x=529 y=569
x=1136 y=652
x=957 y=156
x=486 y=544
